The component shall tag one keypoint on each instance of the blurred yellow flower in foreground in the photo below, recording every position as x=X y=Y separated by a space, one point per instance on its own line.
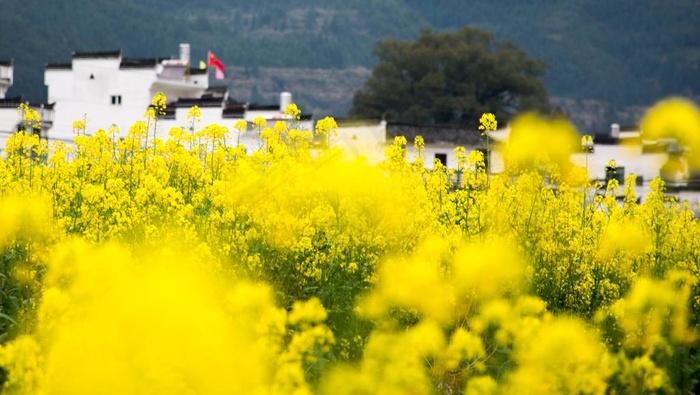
x=536 y=141
x=675 y=118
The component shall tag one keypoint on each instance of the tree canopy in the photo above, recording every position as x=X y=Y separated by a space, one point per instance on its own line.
x=451 y=78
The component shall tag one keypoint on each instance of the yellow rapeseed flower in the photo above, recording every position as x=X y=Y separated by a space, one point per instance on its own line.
x=241 y=126
x=293 y=111
x=487 y=123
x=260 y=123
x=159 y=103
x=78 y=126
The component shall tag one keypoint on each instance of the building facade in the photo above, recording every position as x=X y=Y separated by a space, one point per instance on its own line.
x=105 y=89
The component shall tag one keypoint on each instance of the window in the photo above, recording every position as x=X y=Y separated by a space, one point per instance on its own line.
x=442 y=158
x=617 y=173
x=116 y=100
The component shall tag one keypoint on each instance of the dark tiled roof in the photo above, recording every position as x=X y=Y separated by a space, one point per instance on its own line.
x=97 y=55
x=218 y=92
x=10 y=102
x=14 y=102
x=263 y=107
x=59 y=66
x=221 y=89
x=128 y=63
x=436 y=134
x=233 y=112
x=607 y=139
x=201 y=102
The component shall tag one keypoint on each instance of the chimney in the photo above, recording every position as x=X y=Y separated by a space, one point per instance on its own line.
x=185 y=53
x=285 y=100
x=615 y=130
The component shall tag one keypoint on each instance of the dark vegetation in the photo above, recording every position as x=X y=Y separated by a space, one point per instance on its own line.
x=451 y=79
x=620 y=53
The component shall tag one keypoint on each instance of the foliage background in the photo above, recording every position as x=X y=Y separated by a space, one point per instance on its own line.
x=604 y=56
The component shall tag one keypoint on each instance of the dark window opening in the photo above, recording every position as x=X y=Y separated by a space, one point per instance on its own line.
x=116 y=100
x=442 y=158
x=616 y=173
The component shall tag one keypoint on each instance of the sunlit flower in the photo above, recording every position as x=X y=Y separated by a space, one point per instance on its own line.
x=292 y=111
x=487 y=123
x=587 y=143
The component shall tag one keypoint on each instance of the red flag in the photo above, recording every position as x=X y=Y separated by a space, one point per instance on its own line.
x=217 y=65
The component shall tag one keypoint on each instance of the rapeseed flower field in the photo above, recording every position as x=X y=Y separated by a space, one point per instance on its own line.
x=192 y=265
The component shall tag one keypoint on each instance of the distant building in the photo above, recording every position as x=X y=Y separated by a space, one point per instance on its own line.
x=631 y=152
x=6 y=77
x=105 y=89
x=10 y=117
x=366 y=138
x=440 y=142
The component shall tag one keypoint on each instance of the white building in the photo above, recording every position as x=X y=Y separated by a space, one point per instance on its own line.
x=10 y=116
x=361 y=138
x=6 y=77
x=105 y=89
x=440 y=142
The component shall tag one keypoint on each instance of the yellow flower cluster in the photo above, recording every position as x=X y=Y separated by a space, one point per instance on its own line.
x=292 y=111
x=30 y=118
x=190 y=265
x=487 y=123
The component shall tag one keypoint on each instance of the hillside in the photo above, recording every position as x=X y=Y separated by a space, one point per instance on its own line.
x=620 y=53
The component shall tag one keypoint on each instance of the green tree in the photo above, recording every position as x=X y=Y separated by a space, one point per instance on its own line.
x=451 y=78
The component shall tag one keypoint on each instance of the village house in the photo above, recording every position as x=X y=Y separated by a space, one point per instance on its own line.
x=10 y=117
x=106 y=89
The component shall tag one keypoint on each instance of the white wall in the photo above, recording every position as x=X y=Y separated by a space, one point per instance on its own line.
x=431 y=151
x=80 y=97
x=6 y=79
x=367 y=140
x=628 y=156
x=9 y=118
x=266 y=114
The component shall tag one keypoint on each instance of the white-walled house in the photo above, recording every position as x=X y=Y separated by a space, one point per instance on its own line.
x=10 y=116
x=632 y=155
x=441 y=141
x=105 y=88
x=361 y=138
x=6 y=77
x=646 y=159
